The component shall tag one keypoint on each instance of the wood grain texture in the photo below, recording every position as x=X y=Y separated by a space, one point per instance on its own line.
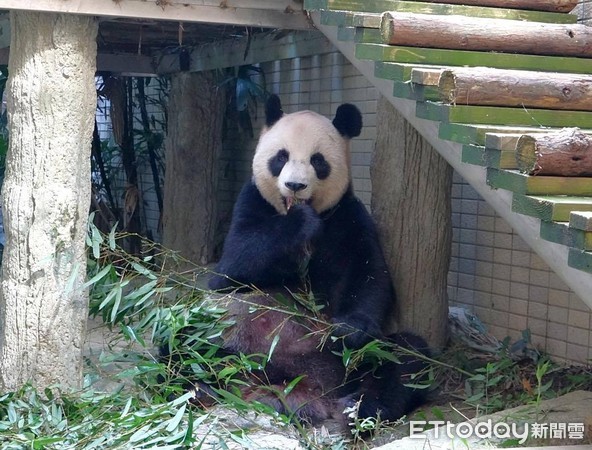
x=567 y=153
x=516 y=88
x=485 y=34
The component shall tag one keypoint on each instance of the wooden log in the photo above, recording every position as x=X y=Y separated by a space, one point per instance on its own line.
x=567 y=152
x=481 y=34
x=536 y=5
x=496 y=87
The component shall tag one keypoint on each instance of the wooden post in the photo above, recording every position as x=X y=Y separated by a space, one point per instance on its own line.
x=193 y=143
x=536 y=5
x=565 y=153
x=411 y=204
x=46 y=198
x=485 y=34
x=516 y=88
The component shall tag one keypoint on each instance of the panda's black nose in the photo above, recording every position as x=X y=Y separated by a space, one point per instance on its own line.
x=295 y=187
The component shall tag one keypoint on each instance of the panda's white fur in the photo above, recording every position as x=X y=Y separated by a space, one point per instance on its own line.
x=302 y=134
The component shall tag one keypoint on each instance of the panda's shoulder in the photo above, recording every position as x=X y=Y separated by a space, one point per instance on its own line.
x=351 y=206
x=250 y=201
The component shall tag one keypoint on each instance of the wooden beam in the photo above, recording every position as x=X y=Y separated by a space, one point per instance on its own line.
x=517 y=88
x=581 y=220
x=562 y=233
x=259 y=48
x=494 y=115
x=446 y=57
x=126 y=64
x=485 y=34
x=520 y=183
x=4 y=32
x=537 y=5
x=286 y=14
x=566 y=153
x=550 y=208
x=123 y=63
x=420 y=7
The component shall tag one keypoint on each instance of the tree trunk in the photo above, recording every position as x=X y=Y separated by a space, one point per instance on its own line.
x=411 y=187
x=485 y=34
x=46 y=197
x=193 y=143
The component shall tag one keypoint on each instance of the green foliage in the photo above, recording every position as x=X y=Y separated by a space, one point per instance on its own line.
x=148 y=402
x=504 y=383
x=93 y=420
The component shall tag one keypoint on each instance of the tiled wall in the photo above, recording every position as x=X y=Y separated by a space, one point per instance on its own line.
x=493 y=272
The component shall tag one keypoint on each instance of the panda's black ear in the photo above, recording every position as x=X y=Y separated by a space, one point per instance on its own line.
x=348 y=120
x=273 y=110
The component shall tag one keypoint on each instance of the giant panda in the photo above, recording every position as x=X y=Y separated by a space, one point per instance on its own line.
x=297 y=225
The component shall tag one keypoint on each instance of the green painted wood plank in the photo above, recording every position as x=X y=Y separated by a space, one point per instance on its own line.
x=367 y=20
x=494 y=115
x=396 y=71
x=414 y=91
x=379 y=6
x=581 y=220
x=444 y=57
x=475 y=134
x=368 y=36
x=502 y=141
x=540 y=185
x=561 y=233
x=346 y=34
x=580 y=260
x=337 y=18
x=473 y=154
x=555 y=208
x=500 y=159
x=488 y=157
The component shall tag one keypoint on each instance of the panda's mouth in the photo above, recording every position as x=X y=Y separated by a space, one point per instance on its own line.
x=292 y=201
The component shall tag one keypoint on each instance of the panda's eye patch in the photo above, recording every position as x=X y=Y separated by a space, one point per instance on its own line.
x=277 y=162
x=321 y=166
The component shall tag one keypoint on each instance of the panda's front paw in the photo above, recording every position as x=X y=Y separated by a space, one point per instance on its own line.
x=307 y=221
x=355 y=332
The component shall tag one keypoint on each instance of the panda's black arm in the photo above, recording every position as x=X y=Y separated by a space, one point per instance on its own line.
x=360 y=293
x=264 y=248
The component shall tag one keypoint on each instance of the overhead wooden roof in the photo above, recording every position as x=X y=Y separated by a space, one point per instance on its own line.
x=134 y=35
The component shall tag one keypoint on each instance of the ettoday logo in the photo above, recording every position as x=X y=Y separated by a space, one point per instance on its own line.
x=497 y=430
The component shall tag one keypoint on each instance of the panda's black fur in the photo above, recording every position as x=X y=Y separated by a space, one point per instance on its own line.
x=284 y=234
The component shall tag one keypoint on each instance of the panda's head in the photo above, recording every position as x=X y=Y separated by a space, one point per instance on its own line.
x=304 y=157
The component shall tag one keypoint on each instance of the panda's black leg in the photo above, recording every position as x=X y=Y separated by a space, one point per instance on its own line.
x=383 y=392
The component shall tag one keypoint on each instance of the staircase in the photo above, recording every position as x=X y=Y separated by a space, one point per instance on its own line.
x=478 y=136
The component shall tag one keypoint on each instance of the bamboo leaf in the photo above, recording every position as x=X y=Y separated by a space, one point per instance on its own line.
x=176 y=420
x=99 y=276
x=274 y=343
x=292 y=384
